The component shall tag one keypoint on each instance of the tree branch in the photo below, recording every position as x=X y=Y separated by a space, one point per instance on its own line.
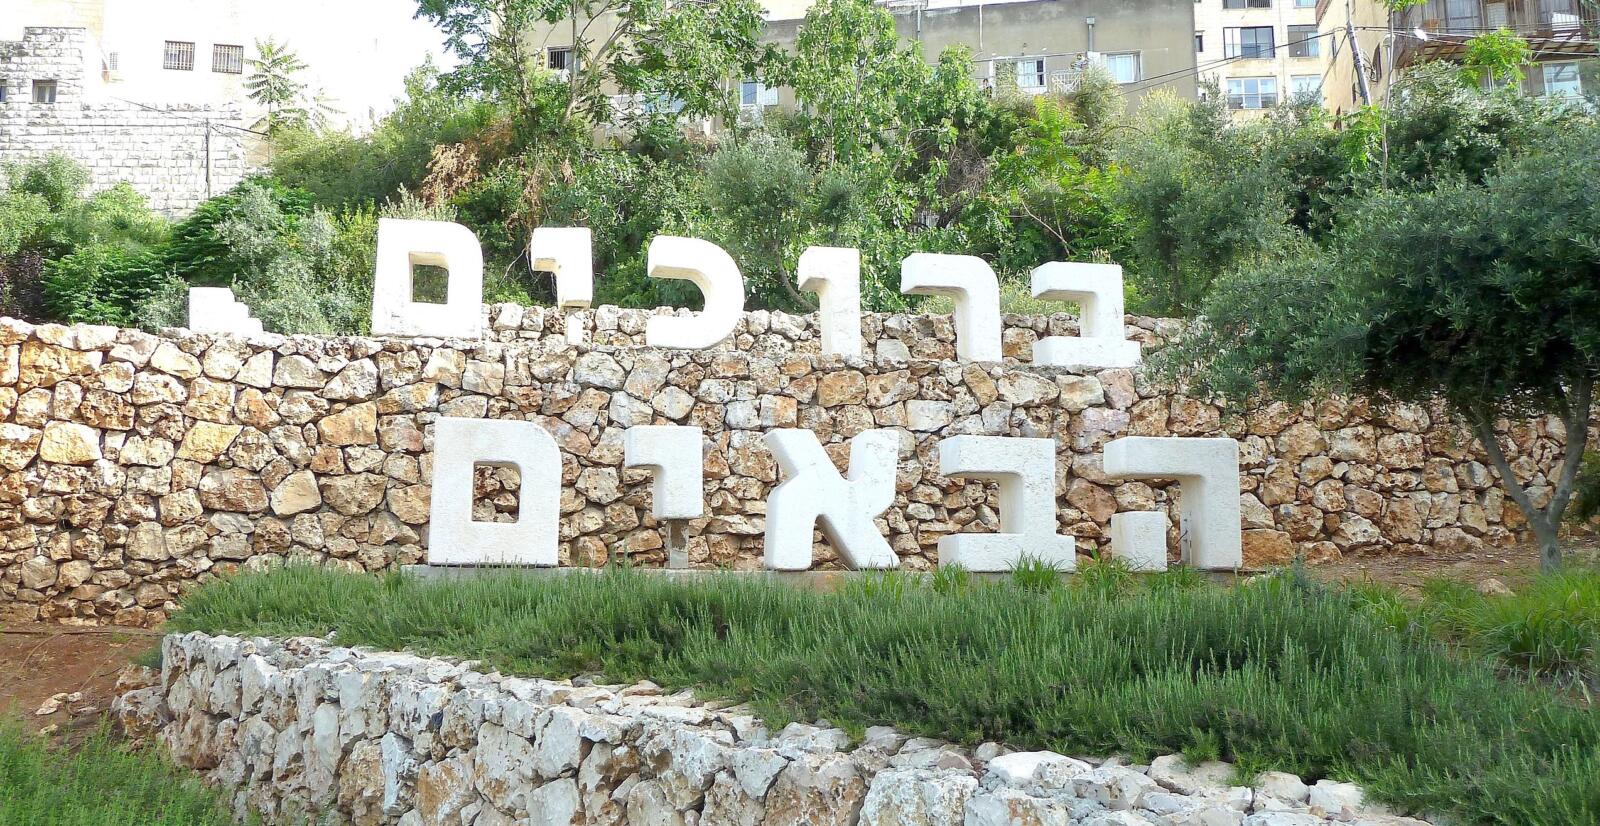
x=1483 y=426
x=1579 y=402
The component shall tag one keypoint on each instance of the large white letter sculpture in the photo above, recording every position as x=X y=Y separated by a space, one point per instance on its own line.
x=713 y=271
x=1207 y=471
x=970 y=281
x=1026 y=471
x=459 y=445
x=404 y=244
x=673 y=454
x=1101 y=341
x=815 y=492
x=568 y=254
x=834 y=274
x=215 y=310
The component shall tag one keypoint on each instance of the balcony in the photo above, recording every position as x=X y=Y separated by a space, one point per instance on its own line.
x=1561 y=28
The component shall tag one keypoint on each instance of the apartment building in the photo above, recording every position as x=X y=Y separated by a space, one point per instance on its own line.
x=197 y=52
x=1562 y=33
x=1260 y=53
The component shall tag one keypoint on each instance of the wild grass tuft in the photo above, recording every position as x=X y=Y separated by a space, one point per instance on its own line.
x=101 y=784
x=1275 y=673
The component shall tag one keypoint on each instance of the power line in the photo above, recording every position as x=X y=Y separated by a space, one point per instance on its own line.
x=1159 y=80
x=206 y=121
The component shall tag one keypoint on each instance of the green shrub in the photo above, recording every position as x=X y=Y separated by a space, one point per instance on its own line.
x=199 y=255
x=101 y=284
x=1273 y=673
x=58 y=179
x=103 y=783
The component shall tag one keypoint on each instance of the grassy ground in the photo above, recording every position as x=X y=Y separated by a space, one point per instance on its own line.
x=99 y=784
x=1277 y=673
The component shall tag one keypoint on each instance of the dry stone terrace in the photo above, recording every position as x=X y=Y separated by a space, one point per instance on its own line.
x=301 y=726
x=133 y=465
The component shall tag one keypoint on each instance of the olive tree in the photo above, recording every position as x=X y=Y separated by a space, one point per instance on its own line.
x=1486 y=296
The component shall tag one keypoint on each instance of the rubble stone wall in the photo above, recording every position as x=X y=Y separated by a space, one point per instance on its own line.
x=300 y=728
x=133 y=466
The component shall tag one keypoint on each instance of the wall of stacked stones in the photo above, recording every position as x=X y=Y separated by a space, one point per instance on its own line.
x=299 y=727
x=161 y=150
x=133 y=466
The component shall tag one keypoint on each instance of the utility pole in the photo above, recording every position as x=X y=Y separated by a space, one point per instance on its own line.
x=208 y=158
x=1355 y=53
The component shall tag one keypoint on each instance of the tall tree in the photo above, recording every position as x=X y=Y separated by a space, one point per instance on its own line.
x=274 y=83
x=1485 y=296
x=672 y=57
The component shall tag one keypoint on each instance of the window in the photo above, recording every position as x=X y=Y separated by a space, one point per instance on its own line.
x=1306 y=86
x=559 y=60
x=1561 y=80
x=1252 y=92
x=755 y=94
x=1305 y=4
x=44 y=91
x=2 y=91
x=1124 y=67
x=1030 y=74
x=1303 y=41
x=1199 y=42
x=1249 y=41
x=178 y=56
x=113 y=62
x=227 y=59
x=1459 y=14
x=1247 y=4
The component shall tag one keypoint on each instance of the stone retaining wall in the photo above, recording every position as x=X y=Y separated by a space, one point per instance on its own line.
x=303 y=728
x=133 y=466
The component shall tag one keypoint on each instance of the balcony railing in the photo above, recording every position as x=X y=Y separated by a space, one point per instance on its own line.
x=1564 y=26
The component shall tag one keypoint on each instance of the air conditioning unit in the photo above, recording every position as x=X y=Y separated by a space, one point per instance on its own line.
x=1494 y=15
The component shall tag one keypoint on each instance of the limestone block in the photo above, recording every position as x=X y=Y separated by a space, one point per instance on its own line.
x=1207 y=471
x=1025 y=470
x=404 y=244
x=215 y=310
x=673 y=455
x=711 y=269
x=1139 y=538
x=815 y=492
x=1101 y=342
x=834 y=274
x=460 y=445
x=971 y=283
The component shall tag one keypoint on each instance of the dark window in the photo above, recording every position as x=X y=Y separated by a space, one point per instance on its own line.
x=1199 y=41
x=559 y=59
x=1247 y=4
x=1303 y=41
x=227 y=59
x=1249 y=41
x=179 y=56
x=44 y=91
x=2 y=91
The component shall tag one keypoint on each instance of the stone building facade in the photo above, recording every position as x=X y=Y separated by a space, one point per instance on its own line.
x=176 y=155
x=133 y=466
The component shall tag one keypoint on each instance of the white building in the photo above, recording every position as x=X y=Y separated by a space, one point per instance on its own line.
x=1262 y=52
x=195 y=52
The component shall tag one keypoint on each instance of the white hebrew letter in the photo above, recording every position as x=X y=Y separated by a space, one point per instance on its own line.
x=815 y=492
x=215 y=310
x=1139 y=538
x=970 y=281
x=1026 y=471
x=673 y=454
x=568 y=253
x=404 y=244
x=1207 y=471
x=1101 y=341
x=713 y=271
x=461 y=444
x=834 y=274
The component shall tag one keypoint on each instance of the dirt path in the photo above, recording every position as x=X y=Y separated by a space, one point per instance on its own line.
x=1512 y=566
x=40 y=661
